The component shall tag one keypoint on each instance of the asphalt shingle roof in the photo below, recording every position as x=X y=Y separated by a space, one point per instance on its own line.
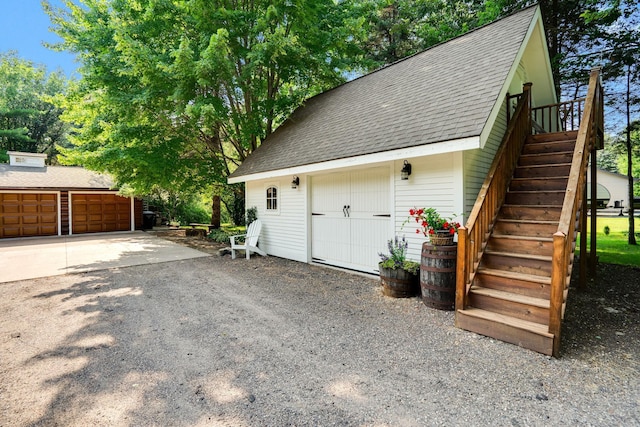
x=444 y=93
x=52 y=177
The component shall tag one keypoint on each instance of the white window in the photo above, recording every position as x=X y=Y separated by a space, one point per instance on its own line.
x=272 y=199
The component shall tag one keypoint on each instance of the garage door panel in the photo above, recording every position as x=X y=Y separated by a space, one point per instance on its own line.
x=28 y=214
x=11 y=232
x=350 y=237
x=49 y=219
x=30 y=219
x=100 y=213
x=10 y=220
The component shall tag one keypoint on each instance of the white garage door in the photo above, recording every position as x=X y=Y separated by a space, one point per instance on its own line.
x=351 y=218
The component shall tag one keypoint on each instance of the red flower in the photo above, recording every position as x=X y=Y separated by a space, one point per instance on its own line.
x=417 y=231
x=431 y=231
x=452 y=231
x=445 y=226
x=412 y=212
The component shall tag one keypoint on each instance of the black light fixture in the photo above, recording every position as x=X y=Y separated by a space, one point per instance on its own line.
x=406 y=170
x=295 y=182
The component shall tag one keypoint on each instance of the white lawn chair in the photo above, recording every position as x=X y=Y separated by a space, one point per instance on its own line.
x=250 y=240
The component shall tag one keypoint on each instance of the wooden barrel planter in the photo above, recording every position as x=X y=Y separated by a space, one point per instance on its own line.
x=399 y=283
x=438 y=276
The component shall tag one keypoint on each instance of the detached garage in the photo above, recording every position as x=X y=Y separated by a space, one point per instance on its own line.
x=39 y=200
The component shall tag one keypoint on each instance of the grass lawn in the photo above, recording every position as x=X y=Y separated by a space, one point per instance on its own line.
x=614 y=249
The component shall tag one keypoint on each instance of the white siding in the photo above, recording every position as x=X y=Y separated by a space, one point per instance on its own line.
x=478 y=162
x=284 y=233
x=432 y=184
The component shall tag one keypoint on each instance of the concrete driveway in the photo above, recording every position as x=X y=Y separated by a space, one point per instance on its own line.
x=22 y=259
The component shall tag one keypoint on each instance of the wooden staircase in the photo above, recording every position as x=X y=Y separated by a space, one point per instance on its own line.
x=509 y=298
x=516 y=251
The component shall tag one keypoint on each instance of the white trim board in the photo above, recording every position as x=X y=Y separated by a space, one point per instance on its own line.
x=461 y=144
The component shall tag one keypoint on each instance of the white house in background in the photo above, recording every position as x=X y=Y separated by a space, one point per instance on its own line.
x=616 y=184
x=327 y=183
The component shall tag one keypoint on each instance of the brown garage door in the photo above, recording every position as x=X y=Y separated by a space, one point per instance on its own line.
x=28 y=214
x=94 y=213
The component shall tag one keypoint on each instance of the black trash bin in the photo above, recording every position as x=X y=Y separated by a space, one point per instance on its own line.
x=148 y=219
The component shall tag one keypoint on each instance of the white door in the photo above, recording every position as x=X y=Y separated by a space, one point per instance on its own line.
x=351 y=218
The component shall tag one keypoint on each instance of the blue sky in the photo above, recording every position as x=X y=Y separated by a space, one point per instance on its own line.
x=24 y=27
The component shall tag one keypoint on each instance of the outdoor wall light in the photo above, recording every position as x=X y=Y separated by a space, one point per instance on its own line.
x=295 y=182
x=406 y=171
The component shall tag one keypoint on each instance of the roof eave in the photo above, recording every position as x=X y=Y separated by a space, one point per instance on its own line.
x=443 y=147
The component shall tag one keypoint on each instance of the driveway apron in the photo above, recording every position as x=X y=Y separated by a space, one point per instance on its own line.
x=22 y=259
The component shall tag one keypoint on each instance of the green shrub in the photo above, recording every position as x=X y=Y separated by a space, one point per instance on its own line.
x=219 y=235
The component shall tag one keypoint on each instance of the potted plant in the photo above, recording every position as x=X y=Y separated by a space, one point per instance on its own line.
x=438 y=258
x=439 y=229
x=399 y=276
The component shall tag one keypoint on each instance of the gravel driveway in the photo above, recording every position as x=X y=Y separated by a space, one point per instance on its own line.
x=272 y=342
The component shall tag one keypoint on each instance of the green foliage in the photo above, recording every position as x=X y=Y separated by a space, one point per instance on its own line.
x=28 y=119
x=252 y=214
x=397 y=257
x=614 y=248
x=219 y=235
x=179 y=207
x=397 y=29
x=606 y=230
x=176 y=94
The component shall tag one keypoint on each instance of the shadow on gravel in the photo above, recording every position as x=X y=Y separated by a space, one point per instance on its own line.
x=603 y=321
x=116 y=367
x=212 y=341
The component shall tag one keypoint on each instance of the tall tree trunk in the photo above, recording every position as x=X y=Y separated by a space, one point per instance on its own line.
x=215 y=211
x=632 y=232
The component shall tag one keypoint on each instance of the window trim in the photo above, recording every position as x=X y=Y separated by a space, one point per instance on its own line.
x=268 y=199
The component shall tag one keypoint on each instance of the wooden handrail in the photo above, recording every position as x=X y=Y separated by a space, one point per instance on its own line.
x=473 y=237
x=559 y=117
x=591 y=129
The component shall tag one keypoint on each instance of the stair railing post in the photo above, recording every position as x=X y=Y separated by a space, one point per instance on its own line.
x=462 y=268
x=558 y=279
x=584 y=256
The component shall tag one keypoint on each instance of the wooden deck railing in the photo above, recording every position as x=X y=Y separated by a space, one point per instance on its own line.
x=591 y=129
x=560 y=117
x=473 y=237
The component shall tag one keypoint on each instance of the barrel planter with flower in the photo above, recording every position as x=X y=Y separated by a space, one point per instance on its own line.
x=438 y=275
x=438 y=258
x=399 y=283
x=400 y=277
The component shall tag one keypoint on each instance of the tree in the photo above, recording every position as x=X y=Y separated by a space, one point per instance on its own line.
x=399 y=28
x=176 y=94
x=29 y=121
x=620 y=52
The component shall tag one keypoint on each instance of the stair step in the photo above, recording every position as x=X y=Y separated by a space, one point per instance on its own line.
x=520 y=244
x=539 y=265
x=531 y=213
x=542 y=171
x=548 y=147
x=517 y=283
x=553 y=136
x=528 y=198
x=530 y=228
x=539 y=184
x=545 y=158
x=523 y=333
x=511 y=304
